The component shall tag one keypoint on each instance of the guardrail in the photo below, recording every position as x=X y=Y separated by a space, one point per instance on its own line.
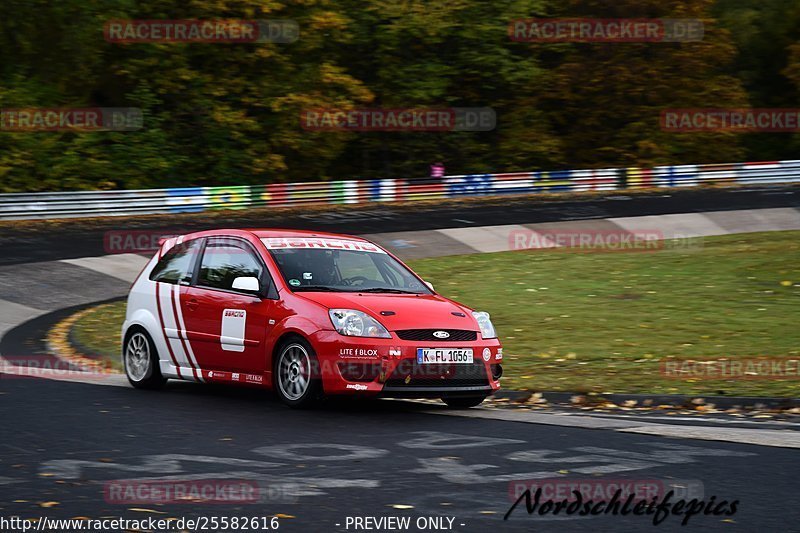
x=196 y=199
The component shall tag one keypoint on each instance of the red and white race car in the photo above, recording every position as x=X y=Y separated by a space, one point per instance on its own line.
x=305 y=314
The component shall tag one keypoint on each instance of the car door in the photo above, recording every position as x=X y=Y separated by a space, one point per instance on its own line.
x=228 y=327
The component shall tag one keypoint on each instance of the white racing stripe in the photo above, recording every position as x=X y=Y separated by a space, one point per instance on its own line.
x=171 y=329
x=168 y=302
x=186 y=344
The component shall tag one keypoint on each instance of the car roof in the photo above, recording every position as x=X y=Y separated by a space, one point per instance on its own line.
x=272 y=233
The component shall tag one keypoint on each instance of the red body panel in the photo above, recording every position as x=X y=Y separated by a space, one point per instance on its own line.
x=203 y=311
x=411 y=311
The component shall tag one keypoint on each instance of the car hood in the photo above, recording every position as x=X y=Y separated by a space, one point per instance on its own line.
x=411 y=311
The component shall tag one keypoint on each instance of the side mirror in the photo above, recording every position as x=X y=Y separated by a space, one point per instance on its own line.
x=247 y=284
x=430 y=285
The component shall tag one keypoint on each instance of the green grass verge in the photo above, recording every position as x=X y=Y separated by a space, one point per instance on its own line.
x=602 y=322
x=96 y=333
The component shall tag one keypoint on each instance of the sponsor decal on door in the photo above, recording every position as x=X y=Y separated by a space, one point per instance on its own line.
x=233 y=325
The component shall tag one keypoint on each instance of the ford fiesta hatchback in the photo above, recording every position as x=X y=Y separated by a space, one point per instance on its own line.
x=304 y=313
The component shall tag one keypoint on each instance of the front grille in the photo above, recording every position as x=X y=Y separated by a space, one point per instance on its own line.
x=456 y=335
x=437 y=375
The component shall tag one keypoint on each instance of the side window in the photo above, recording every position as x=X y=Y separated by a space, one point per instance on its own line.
x=396 y=277
x=176 y=264
x=223 y=261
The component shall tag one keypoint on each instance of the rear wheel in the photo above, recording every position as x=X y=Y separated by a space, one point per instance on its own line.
x=463 y=402
x=140 y=359
x=296 y=380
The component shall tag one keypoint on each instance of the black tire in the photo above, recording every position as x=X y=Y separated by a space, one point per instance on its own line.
x=463 y=402
x=296 y=375
x=140 y=361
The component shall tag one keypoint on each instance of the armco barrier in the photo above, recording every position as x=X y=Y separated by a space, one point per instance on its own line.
x=196 y=199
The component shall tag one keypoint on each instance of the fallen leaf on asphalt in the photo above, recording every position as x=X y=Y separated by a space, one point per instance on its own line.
x=286 y=516
x=488 y=512
x=537 y=398
x=401 y=506
x=47 y=505
x=141 y=510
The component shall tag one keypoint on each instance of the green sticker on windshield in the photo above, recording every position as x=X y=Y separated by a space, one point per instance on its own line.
x=294 y=282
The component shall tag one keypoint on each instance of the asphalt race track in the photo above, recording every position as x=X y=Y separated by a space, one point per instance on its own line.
x=67 y=444
x=64 y=441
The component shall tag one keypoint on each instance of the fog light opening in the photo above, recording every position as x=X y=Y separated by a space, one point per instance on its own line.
x=497 y=372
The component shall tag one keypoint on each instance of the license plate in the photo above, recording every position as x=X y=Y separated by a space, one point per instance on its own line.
x=444 y=355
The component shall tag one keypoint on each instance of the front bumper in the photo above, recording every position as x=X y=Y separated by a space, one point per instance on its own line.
x=389 y=368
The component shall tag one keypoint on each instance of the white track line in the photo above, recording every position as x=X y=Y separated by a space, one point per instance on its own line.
x=121 y=266
x=758 y=437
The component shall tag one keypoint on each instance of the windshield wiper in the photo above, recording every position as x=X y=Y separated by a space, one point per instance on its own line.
x=319 y=288
x=387 y=289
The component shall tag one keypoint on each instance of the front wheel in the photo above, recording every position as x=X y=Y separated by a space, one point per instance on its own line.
x=463 y=402
x=296 y=381
x=141 y=361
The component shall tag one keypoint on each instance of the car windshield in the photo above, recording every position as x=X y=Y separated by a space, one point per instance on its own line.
x=324 y=268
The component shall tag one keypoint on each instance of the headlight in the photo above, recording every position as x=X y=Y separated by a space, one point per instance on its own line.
x=356 y=324
x=487 y=329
